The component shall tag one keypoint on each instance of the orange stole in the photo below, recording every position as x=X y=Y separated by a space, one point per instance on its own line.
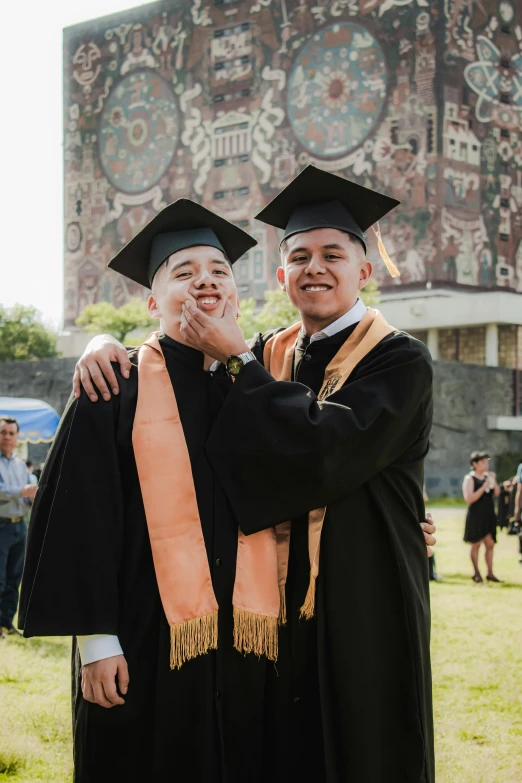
x=278 y=360
x=178 y=548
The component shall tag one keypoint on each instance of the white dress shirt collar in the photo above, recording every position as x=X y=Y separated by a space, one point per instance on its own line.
x=353 y=316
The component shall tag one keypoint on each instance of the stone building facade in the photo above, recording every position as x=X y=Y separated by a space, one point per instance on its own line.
x=225 y=101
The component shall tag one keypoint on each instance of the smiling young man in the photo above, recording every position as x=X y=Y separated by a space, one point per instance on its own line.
x=338 y=421
x=133 y=546
x=350 y=700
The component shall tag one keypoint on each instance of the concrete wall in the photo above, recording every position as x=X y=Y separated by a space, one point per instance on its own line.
x=465 y=395
x=48 y=380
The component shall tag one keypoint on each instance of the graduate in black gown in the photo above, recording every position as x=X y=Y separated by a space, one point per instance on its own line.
x=89 y=571
x=354 y=692
x=354 y=736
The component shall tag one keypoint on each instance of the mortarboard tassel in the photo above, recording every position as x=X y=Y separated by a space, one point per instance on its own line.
x=390 y=266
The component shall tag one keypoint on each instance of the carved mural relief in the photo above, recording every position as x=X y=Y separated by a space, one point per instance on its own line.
x=225 y=102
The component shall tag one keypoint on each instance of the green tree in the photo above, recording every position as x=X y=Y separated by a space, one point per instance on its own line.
x=103 y=317
x=279 y=311
x=23 y=336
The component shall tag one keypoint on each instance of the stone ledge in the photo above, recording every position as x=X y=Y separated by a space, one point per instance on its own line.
x=505 y=423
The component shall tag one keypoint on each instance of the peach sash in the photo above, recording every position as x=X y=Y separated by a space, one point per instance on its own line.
x=177 y=543
x=278 y=360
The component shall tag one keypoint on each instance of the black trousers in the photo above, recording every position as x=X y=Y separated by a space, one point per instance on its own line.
x=12 y=551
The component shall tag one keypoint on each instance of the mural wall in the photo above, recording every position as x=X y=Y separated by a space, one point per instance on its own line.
x=225 y=101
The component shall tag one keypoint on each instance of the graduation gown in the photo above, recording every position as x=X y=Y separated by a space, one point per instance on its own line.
x=89 y=570
x=353 y=695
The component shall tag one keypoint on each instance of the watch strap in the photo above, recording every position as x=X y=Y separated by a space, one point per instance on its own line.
x=247 y=357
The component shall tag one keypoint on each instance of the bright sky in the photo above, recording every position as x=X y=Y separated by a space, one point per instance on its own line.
x=31 y=148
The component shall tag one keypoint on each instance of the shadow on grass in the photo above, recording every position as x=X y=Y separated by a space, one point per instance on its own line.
x=465 y=581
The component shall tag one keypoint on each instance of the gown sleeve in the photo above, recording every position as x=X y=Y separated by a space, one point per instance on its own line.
x=279 y=452
x=70 y=580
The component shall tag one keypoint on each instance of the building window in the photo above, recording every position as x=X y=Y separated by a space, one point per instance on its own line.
x=505 y=62
x=505 y=29
x=448 y=345
x=504 y=133
x=420 y=334
x=505 y=97
x=467 y=345
x=504 y=237
x=430 y=130
x=231 y=128
x=258 y=265
x=232 y=161
x=504 y=202
x=472 y=345
x=510 y=346
x=244 y=191
x=242 y=270
x=232 y=96
x=394 y=132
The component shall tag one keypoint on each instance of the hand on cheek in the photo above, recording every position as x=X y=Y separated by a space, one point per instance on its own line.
x=216 y=337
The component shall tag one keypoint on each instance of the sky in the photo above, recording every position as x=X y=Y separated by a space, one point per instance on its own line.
x=31 y=148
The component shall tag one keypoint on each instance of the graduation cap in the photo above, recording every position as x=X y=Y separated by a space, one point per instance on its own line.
x=319 y=199
x=180 y=225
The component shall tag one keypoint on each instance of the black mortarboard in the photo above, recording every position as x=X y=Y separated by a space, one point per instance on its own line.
x=320 y=199
x=182 y=224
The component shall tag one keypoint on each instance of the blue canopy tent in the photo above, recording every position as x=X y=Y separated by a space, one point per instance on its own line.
x=38 y=421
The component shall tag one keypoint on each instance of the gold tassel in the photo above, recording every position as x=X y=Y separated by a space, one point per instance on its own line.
x=193 y=638
x=308 y=608
x=390 y=266
x=282 y=605
x=255 y=633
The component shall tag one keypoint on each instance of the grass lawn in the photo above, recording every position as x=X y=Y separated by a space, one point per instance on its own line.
x=476 y=651
x=477 y=644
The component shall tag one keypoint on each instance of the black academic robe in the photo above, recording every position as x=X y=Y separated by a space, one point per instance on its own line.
x=89 y=570
x=352 y=699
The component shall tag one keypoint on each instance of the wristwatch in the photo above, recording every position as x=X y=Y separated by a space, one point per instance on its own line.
x=235 y=363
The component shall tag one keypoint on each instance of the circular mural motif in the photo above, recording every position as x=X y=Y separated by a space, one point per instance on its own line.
x=337 y=89
x=139 y=130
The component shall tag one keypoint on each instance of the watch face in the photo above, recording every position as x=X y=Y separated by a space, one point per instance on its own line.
x=234 y=365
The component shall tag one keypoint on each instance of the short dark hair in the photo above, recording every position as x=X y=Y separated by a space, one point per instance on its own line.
x=29 y=463
x=476 y=456
x=10 y=420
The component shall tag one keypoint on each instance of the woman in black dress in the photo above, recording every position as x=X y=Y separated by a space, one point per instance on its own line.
x=479 y=488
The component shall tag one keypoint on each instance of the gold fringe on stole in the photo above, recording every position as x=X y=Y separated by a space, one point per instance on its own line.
x=282 y=605
x=255 y=633
x=193 y=638
x=308 y=608
x=390 y=266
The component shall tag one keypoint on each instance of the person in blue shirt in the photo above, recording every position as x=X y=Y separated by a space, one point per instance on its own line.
x=16 y=495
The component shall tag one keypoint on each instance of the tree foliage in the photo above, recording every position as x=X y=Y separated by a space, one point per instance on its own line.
x=103 y=317
x=23 y=336
x=279 y=311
